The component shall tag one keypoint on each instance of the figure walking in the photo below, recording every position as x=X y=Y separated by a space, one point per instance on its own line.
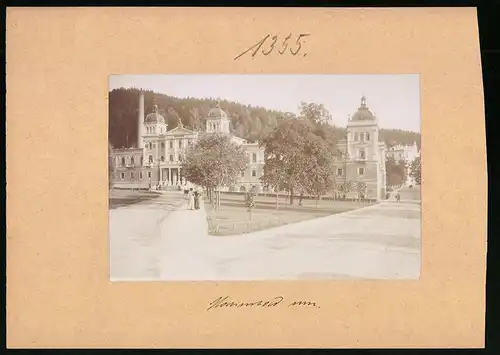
x=190 y=197
x=196 y=200
x=398 y=197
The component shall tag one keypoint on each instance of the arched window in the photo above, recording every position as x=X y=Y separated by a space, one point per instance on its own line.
x=132 y=161
x=171 y=158
x=142 y=161
x=123 y=161
x=150 y=158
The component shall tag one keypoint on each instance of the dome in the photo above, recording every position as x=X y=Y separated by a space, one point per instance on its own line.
x=363 y=113
x=217 y=112
x=154 y=117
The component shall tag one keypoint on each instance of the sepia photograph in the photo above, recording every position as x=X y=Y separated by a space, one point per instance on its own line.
x=264 y=177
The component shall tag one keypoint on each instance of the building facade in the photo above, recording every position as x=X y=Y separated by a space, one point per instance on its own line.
x=407 y=154
x=157 y=161
x=362 y=156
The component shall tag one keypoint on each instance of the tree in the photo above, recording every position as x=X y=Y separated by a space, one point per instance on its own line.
x=316 y=113
x=415 y=170
x=214 y=162
x=395 y=171
x=250 y=201
x=297 y=158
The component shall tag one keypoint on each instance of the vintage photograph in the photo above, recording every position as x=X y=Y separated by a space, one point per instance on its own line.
x=264 y=177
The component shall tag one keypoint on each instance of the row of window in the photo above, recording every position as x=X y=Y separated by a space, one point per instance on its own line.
x=151 y=130
x=133 y=176
x=361 y=136
x=254 y=173
x=151 y=145
x=340 y=171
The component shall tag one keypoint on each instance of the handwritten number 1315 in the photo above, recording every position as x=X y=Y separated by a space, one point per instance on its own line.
x=272 y=45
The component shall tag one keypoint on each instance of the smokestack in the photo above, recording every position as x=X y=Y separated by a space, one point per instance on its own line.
x=140 y=121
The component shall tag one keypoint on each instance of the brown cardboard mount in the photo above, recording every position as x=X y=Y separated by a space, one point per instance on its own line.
x=58 y=290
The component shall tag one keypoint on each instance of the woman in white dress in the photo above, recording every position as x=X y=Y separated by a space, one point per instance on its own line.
x=190 y=204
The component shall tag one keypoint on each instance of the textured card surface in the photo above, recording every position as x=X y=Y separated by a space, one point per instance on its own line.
x=60 y=62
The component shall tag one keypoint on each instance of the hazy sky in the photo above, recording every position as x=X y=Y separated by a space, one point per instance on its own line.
x=394 y=99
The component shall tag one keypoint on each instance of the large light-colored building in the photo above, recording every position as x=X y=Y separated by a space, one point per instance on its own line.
x=362 y=155
x=158 y=158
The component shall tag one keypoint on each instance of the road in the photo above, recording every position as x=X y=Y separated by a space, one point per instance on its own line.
x=377 y=242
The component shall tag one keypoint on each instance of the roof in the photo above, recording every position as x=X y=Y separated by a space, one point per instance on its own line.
x=363 y=113
x=154 y=117
x=217 y=112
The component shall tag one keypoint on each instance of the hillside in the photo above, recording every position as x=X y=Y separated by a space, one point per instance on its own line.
x=249 y=122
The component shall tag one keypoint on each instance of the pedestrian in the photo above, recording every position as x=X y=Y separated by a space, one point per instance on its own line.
x=190 y=204
x=196 y=200
x=398 y=197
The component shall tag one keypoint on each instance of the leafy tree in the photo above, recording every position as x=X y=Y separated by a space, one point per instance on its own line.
x=297 y=158
x=316 y=113
x=250 y=201
x=213 y=162
x=415 y=170
x=395 y=171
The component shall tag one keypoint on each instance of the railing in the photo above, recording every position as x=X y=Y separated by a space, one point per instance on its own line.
x=244 y=226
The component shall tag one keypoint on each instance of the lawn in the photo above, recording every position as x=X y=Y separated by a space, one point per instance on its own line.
x=233 y=217
x=119 y=198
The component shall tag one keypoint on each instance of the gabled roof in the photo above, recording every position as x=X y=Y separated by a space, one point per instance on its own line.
x=179 y=131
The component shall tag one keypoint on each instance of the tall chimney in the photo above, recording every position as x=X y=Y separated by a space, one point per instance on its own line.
x=140 y=121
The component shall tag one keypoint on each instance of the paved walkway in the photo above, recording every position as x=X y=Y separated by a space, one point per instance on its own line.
x=377 y=242
x=134 y=237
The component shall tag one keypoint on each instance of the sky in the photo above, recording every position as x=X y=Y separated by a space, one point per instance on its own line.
x=394 y=99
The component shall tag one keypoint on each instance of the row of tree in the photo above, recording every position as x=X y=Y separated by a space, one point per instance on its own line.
x=248 y=122
x=298 y=158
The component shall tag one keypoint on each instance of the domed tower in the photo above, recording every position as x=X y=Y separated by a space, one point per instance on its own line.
x=155 y=123
x=217 y=121
x=362 y=133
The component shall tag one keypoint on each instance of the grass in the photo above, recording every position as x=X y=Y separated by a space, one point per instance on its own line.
x=233 y=217
x=119 y=198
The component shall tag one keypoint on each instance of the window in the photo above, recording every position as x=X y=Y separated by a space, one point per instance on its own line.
x=180 y=157
x=180 y=143
x=361 y=171
x=122 y=175
x=142 y=161
x=162 y=145
x=132 y=161
x=123 y=161
x=162 y=158
x=362 y=154
x=254 y=173
x=190 y=143
x=171 y=144
x=254 y=157
x=131 y=175
x=150 y=158
x=362 y=137
x=171 y=158
x=140 y=175
x=367 y=136
x=340 y=172
x=149 y=174
x=356 y=136
x=154 y=145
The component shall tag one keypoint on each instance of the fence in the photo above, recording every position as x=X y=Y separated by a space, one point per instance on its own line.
x=243 y=226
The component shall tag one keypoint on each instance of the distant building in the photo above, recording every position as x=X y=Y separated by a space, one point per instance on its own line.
x=158 y=158
x=406 y=153
x=362 y=155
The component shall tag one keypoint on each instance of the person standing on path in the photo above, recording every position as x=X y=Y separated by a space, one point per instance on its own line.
x=196 y=200
x=190 y=204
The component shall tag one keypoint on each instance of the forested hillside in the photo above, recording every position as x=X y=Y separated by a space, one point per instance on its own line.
x=249 y=122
